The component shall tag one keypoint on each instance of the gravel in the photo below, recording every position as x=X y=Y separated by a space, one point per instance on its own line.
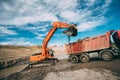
x=82 y=74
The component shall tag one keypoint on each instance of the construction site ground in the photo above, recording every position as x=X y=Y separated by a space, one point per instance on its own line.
x=63 y=70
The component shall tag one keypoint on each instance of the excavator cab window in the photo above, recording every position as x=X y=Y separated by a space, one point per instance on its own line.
x=71 y=31
x=36 y=54
x=51 y=52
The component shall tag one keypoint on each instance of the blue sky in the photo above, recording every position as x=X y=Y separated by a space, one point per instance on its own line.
x=26 y=22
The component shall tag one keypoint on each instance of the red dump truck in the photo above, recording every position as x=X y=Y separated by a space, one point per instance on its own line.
x=95 y=47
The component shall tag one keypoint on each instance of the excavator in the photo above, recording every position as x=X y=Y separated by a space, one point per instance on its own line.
x=47 y=55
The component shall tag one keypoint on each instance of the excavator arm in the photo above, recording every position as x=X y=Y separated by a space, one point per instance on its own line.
x=51 y=32
x=45 y=52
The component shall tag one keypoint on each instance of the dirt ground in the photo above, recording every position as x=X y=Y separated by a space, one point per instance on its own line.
x=15 y=52
x=64 y=70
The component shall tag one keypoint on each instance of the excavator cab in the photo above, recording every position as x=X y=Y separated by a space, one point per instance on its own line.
x=71 y=31
x=116 y=38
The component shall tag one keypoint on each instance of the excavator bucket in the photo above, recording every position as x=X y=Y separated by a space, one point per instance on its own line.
x=71 y=31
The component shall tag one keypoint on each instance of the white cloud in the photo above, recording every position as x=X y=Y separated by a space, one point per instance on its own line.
x=90 y=2
x=48 y=17
x=26 y=12
x=70 y=16
x=88 y=14
x=32 y=19
x=6 y=31
x=89 y=21
x=40 y=36
x=78 y=17
x=15 y=41
x=31 y=11
x=107 y=3
x=88 y=25
x=35 y=28
x=67 y=5
x=53 y=44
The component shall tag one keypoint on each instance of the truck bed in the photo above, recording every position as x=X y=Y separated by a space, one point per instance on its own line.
x=89 y=44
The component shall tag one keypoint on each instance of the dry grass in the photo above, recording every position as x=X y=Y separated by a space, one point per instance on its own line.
x=14 y=52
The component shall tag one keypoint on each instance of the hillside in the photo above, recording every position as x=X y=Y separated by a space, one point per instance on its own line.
x=8 y=52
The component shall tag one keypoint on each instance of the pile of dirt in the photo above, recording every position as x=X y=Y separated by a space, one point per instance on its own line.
x=82 y=74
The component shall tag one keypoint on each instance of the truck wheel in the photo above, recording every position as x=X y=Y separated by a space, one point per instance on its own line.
x=74 y=59
x=84 y=58
x=106 y=56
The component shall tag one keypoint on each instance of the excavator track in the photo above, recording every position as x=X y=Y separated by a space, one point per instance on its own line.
x=47 y=62
x=44 y=63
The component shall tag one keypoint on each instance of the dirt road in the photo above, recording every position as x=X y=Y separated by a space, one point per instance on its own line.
x=96 y=69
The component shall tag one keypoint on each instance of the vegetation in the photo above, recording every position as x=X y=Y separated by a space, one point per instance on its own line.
x=16 y=47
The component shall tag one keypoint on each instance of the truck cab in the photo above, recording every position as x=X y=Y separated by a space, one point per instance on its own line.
x=116 y=38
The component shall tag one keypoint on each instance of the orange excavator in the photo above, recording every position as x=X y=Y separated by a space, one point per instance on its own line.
x=47 y=55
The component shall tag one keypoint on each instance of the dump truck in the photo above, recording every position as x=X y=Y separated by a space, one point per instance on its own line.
x=95 y=47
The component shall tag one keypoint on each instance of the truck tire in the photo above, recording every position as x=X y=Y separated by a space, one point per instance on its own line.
x=84 y=58
x=74 y=59
x=106 y=56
